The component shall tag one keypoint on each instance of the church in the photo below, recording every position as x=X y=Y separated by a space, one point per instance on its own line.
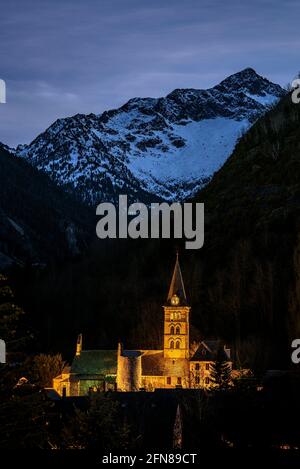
x=175 y=365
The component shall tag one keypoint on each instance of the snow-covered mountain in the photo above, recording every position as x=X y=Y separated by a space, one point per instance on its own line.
x=152 y=147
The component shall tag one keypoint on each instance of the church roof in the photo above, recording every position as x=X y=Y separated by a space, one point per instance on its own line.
x=207 y=351
x=95 y=362
x=177 y=285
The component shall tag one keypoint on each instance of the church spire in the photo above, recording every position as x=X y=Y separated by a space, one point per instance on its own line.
x=177 y=285
x=79 y=345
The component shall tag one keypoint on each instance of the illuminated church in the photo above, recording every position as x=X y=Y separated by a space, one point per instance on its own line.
x=175 y=365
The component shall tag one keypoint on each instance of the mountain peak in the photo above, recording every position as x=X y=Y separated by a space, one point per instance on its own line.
x=250 y=82
x=244 y=75
x=249 y=71
x=165 y=147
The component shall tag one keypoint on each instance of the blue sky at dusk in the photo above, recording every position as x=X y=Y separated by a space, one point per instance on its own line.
x=62 y=57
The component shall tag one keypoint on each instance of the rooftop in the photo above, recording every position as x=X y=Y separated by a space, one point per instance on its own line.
x=95 y=362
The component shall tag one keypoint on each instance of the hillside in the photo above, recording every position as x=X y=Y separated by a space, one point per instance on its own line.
x=38 y=221
x=251 y=262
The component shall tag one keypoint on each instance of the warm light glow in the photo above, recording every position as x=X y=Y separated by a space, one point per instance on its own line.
x=175 y=300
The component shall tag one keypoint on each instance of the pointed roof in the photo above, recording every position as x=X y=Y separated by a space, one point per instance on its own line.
x=177 y=285
x=208 y=350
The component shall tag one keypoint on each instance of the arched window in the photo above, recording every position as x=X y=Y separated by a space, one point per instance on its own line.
x=172 y=344
x=177 y=344
x=177 y=330
x=172 y=330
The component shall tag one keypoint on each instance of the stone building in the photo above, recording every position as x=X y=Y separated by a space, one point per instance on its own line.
x=131 y=370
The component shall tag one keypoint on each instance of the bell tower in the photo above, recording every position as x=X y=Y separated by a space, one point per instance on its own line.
x=176 y=318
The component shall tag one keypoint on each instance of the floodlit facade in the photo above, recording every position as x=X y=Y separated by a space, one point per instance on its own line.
x=132 y=370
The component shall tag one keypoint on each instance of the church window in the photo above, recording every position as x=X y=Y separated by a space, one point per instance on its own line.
x=168 y=380
x=207 y=366
x=177 y=330
x=172 y=344
x=172 y=330
x=197 y=380
x=177 y=344
x=175 y=315
x=197 y=366
x=179 y=380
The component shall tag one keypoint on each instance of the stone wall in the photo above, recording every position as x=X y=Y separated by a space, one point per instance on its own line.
x=129 y=372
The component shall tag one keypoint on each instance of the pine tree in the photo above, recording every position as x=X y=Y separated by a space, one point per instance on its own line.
x=220 y=371
x=11 y=327
x=25 y=413
x=102 y=427
x=14 y=332
x=43 y=368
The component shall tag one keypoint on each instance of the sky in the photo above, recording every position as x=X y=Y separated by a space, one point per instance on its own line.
x=63 y=57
